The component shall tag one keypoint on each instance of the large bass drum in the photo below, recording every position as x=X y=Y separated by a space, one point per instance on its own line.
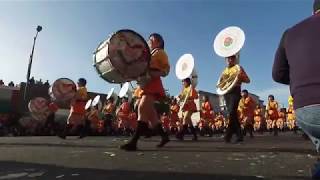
x=39 y=109
x=123 y=57
x=62 y=91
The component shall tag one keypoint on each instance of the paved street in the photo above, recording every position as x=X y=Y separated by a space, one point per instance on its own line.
x=286 y=157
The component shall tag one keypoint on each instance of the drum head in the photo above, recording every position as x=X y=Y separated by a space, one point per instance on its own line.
x=39 y=109
x=62 y=90
x=123 y=57
x=229 y=41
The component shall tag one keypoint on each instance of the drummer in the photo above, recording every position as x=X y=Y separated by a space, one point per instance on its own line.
x=76 y=119
x=153 y=90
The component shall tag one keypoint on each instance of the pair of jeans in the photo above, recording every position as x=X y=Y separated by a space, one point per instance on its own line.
x=308 y=119
x=232 y=99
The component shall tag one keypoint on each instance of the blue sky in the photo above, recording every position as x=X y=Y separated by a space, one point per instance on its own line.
x=73 y=29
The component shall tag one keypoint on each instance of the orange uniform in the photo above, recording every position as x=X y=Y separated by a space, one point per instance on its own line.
x=78 y=105
x=272 y=110
x=124 y=110
x=123 y=115
x=257 y=115
x=133 y=118
x=219 y=120
x=206 y=110
x=191 y=95
x=165 y=122
x=159 y=61
x=246 y=109
x=291 y=115
x=94 y=118
x=174 y=110
x=137 y=93
x=108 y=108
x=281 y=119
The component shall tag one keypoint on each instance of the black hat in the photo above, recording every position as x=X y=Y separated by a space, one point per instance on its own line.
x=245 y=91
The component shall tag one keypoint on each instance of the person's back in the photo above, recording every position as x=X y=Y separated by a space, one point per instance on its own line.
x=296 y=64
x=301 y=44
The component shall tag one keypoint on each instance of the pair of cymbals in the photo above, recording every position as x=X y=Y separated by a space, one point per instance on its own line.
x=94 y=102
x=123 y=91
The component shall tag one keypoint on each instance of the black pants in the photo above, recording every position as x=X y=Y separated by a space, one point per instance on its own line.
x=108 y=124
x=232 y=99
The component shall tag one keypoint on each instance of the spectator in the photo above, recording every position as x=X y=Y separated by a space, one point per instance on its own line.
x=11 y=84
x=31 y=81
x=1 y=82
x=47 y=83
x=40 y=82
x=296 y=64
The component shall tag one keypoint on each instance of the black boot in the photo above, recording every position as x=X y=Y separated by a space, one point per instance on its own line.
x=275 y=131
x=132 y=144
x=82 y=131
x=180 y=135
x=194 y=133
x=148 y=133
x=239 y=135
x=164 y=136
x=64 y=132
x=228 y=135
x=251 y=131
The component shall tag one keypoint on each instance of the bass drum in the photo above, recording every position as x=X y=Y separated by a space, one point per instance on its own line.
x=62 y=91
x=39 y=109
x=123 y=57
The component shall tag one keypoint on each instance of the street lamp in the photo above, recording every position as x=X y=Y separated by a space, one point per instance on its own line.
x=39 y=28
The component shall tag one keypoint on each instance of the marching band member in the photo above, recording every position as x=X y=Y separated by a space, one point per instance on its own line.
x=188 y=109
x=246 y=108
x=233 y=97
x=174 y=118
x=108 y=112
x=282 y=119
x=219 y=122
x=257 y=118
x=94 y=119
x=153 y=90
x=207 y=116
x=272 y=113
x=290 y=115
x=76 y=117
x=165 y=122
x=123 y=116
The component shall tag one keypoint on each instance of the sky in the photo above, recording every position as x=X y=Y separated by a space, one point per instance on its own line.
x=73 y=29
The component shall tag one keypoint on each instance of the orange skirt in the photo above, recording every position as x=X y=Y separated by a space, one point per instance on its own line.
x=154 y=88
x=78 y=107
x=190 y=106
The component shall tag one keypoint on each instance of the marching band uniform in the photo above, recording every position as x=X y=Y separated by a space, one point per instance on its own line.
x=246 y=109
x=77 y=114
x=152 y=88
x=257 y=118
x=188 y=109
x=232 y=98
x=272 y=113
